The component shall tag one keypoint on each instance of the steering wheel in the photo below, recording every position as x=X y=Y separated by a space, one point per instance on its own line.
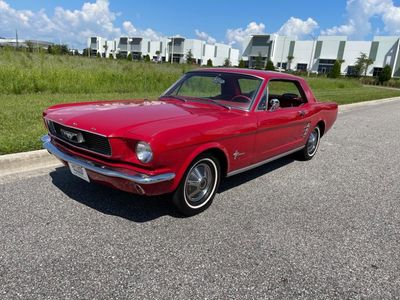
x=247 y=99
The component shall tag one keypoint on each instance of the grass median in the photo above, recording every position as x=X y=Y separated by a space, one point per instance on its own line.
x=31 y=82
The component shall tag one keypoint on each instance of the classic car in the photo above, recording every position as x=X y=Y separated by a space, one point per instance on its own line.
x=211 y=124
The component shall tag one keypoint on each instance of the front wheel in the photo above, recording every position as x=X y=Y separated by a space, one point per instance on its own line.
x=198 y=186
x=311 y=147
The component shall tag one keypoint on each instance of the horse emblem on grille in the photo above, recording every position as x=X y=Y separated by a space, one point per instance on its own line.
x=74 y=137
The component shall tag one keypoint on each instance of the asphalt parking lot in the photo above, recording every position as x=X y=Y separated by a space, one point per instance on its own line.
x=328 y=228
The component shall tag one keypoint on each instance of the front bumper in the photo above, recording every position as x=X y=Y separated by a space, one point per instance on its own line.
x=137 y=178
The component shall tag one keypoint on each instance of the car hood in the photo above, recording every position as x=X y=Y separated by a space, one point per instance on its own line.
x=116 y=118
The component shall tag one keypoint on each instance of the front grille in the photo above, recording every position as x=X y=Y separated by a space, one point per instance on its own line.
x=91 y=141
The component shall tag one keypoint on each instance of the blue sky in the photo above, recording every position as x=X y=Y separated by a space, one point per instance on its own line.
x=215 y=21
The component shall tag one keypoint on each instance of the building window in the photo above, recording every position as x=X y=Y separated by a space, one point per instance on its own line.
x=302 y=67
x=325 y=66
x=284 y=65
x=377 y=71
x=352 y=71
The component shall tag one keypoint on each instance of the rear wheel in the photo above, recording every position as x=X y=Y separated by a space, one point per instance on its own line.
x=198 y=186
x=311 y=147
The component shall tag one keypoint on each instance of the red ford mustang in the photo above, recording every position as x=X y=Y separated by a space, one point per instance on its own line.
x=211 y=124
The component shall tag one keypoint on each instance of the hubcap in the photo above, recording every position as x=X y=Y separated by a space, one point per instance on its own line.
x=199 y=183
x=312 y=142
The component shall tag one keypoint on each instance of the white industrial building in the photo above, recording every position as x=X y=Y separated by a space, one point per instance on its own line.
x=319 y=55
x=168 y=49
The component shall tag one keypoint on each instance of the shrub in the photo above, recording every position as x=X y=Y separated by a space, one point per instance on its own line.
x=270 y=66
x=146 y=58
x=129 y=57
x=209 y=62
x=241 y=64
x=227 y=62
x=335 y=72
x=385 y=75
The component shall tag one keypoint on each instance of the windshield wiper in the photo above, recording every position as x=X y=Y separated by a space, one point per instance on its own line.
x=175 y=97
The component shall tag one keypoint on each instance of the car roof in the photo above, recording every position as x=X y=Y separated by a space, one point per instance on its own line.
x=253 y=72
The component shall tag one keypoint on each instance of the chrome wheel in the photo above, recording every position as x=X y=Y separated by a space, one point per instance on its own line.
x=313 y=142
x=200 y=183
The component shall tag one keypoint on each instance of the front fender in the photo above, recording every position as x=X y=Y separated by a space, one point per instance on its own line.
x=193 y=154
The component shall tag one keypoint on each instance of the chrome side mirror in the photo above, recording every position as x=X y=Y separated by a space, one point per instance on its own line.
x=275 y=104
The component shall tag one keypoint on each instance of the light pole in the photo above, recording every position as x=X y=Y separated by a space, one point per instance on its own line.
x=283 y=49
x=311 y=56
x=172 y=50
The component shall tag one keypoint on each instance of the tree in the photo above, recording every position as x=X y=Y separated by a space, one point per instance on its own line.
x=242 y=64
x=227 y=62
x=85 y=51
x=385 y=75
x=29 y=44
x=209 y=62
x=290 y=60
x=158 y=56
x=367 y=62
x=362 y=64
x=270 y=66
x=259 y=62
x=336 y=70
x=189 y=57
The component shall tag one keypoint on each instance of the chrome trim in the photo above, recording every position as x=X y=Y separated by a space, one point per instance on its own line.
x=75 y=145
x=263 y=162
x=75 y=128
x=103 y=170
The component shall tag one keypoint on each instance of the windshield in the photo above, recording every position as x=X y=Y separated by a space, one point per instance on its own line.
x=227 y=89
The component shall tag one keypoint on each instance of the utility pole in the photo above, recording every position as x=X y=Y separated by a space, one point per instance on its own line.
x=16 y=39
x=172 y=51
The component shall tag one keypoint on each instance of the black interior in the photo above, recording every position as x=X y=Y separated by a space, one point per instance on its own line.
x=287 y=100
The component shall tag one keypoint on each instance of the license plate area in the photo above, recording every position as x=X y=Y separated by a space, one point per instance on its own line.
x=79 y=171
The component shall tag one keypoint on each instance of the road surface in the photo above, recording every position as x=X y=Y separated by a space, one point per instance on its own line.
x=328 y=228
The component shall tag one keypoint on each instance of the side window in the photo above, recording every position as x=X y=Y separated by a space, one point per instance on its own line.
x=288 y=93
x=262 y=105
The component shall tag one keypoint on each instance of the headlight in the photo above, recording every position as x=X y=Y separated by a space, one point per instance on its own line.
x=144 y=152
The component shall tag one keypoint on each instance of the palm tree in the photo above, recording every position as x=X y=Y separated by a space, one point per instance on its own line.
x=290 y=60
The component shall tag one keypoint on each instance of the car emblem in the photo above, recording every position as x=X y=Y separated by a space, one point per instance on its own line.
x=74 y=137
x=237 y=154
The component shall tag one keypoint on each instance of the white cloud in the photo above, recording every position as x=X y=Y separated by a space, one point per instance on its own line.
x=237 y=36
x=298 y=28
x=205 y=37
x=68 y=26
x=360 y=13
x=131 y=30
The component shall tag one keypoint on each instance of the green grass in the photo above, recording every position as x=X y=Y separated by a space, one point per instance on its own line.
x=31 y=82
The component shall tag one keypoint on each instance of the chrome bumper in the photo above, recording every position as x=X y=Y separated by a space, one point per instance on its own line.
x=103 y=170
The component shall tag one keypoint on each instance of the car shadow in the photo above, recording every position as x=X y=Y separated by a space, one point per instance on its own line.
x=140 y=208
x=236 y=180
x=111 y=201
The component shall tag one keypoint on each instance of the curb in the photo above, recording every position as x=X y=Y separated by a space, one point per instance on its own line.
x=347 y=107
x=33 y=160
x=26 y=161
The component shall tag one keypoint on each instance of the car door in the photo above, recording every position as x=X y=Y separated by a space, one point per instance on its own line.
x=280 y=129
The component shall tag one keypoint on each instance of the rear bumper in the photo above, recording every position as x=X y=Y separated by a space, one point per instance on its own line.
x=105 y=171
